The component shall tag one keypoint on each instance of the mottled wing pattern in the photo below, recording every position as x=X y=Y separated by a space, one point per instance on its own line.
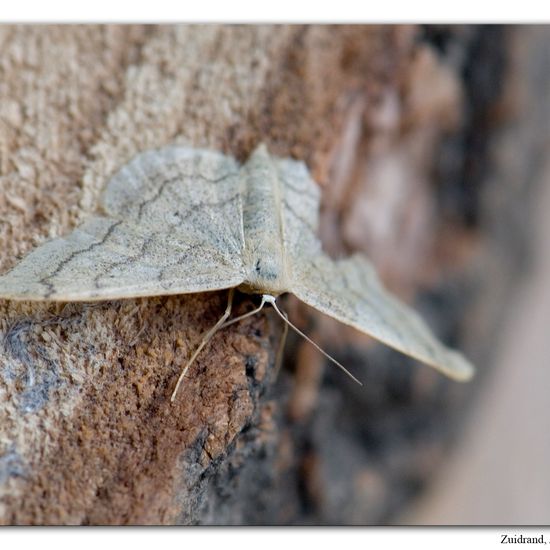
x=173 y=225
x=350 y=291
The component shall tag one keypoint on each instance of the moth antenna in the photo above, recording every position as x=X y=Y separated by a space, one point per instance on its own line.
x=271 y=300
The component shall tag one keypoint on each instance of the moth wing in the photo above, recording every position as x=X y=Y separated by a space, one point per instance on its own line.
x=107 y=259
x=351 y=292
x=300 y=200
x=173 y=225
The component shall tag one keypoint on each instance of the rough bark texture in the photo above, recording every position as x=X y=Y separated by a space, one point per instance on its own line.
x=399 y=126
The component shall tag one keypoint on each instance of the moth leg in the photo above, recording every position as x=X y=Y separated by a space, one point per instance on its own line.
x=205 y=339
x=279 y=357
x=280 y=351
x=245 y=315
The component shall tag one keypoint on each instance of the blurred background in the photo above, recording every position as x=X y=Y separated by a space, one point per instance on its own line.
x=498 y=471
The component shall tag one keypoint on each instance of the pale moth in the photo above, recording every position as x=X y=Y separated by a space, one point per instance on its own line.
x=181 y=220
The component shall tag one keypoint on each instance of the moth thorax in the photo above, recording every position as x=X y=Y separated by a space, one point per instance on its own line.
x=266 y=275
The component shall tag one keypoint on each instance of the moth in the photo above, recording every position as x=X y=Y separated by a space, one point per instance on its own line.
x=184 y=220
